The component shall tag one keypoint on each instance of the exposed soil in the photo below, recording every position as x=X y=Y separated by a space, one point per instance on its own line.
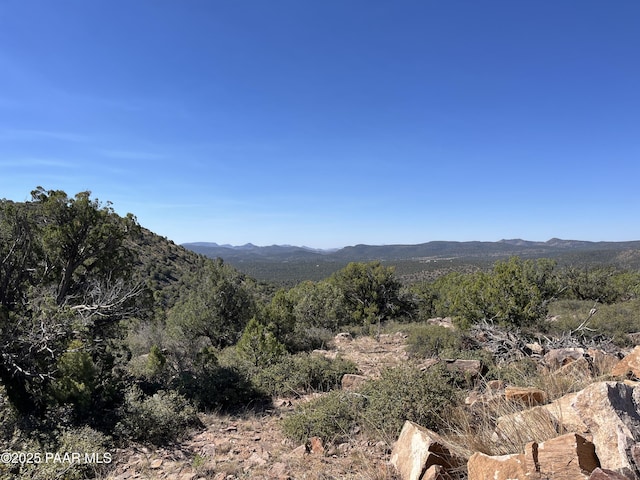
x=252 y=446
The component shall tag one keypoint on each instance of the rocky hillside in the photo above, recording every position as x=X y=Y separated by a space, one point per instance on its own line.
x=593 y=432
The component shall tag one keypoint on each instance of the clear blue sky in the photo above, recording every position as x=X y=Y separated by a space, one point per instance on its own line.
x=332 y=122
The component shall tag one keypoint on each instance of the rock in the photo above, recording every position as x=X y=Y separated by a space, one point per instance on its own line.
x=351 y=381
x=602 y=363
x=428 y=363
x=155 y=464
x=502 y=467
x=343 y=337
x=565 y=415
x=604 y=474
x=525 y=395
x=535 y=348
x=316 y=446
x=610 y=412
x=519 y=428
x=559 y=357
x=417 y=449
x=472 y=368
x=629 y=366
x=494 y=385
x=255 y=460
x=446 y=322
x=578 y=370
x=568 y=457
x=435 y=472
x=298 y=452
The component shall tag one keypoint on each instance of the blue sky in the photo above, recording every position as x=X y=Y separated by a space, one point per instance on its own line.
x=330 y=123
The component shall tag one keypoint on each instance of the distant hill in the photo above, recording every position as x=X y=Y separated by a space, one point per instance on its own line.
x=291 y=264
x=429 y=250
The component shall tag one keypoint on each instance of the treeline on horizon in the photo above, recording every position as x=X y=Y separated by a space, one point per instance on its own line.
x=111 y=334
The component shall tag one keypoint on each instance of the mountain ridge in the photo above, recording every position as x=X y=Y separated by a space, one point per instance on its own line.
x=433 y=249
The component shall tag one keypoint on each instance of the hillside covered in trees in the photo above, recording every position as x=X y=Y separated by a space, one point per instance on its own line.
x=110 y=334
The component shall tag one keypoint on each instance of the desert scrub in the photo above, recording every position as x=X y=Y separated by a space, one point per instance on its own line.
x=81 y=440
x=407 y=393
x=434 y=340
x=332 y=417
x=302 y=373
x=614 y=321
x=159 y=419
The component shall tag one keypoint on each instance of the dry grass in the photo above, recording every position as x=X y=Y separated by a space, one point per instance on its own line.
x=497 y=426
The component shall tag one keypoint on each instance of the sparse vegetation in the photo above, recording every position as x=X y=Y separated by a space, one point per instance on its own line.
x=112 y=335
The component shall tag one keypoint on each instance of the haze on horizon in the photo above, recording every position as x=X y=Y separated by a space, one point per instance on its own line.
x=331 y=123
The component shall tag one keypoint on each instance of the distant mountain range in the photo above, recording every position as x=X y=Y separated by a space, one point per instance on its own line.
x=424 y=251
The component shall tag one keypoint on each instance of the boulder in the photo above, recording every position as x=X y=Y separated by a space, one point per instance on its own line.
x=602 y=363
x=610 y=412
x=629 y=366
x=568 y=457
x=559 y=357
x=604 y=474
x=502 y=467
x=524 y=426
x=579 y=370
x=417 y=449
x=525 y=395
x=565 y=415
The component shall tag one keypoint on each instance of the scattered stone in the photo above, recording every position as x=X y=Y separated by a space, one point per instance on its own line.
x=255 y=460
x=155 y=464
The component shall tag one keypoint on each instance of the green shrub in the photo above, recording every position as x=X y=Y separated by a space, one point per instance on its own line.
x=332 y=417
x=434 y=340
x=305 y=339
x=61 y=463
x=302 y=373
x=219 y=387
x=612 y=321
x=259 y=346
x=161 y=418
x=407 y=393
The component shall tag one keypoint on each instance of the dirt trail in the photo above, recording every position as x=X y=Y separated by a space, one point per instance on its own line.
x=252 y=446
